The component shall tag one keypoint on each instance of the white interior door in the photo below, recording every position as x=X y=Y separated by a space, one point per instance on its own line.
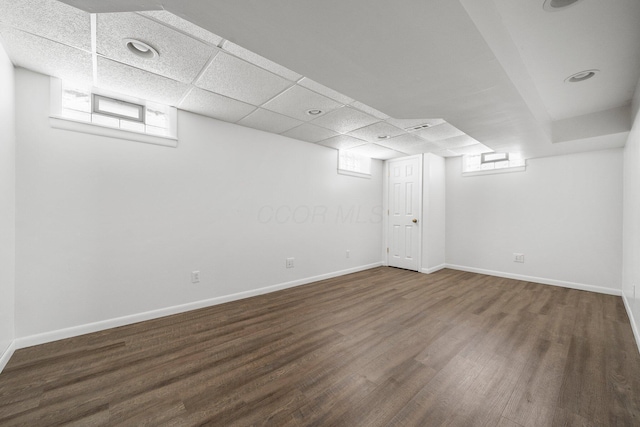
x=403 y=234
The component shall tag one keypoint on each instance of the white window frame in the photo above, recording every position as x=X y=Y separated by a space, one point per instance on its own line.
x=58 y=121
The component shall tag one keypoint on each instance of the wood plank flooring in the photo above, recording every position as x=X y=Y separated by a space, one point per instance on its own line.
x=384 y=347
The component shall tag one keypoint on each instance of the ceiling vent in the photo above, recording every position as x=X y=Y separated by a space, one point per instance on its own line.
x=419 y=127
x=556 y=5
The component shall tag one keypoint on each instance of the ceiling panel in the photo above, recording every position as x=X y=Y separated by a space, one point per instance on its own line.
x=235 y=78
x=472 y=149
x=369 y=110
x=47 y=57
x=345 y=120
x=128 y=80
x=424 y=147
x=372 y=132
x=402 y=143
x=323 y=90
x=269 y=121
x=50 y=19
x=310 y=133
x=216 y=106
x=439 y=132
x=458 y=142
x=180 y=57
x=409 y=123
x=342 y=142
x=376 y=152
x=297 y=100
x=187 y=27
x=261 y=62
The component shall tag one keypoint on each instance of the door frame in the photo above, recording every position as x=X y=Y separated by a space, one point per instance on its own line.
x=385 y=208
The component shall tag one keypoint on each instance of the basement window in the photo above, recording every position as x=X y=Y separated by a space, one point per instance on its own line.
x=354 y=164
x=488 y=163
x=101 y=113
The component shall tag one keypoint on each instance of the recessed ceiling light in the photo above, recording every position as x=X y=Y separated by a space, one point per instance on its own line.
x=314 y=112
x=556 y=5
x=384 y=136
x=141 y=49
x=581 y=76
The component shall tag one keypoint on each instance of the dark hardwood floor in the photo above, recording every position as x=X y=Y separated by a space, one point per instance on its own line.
x=384 y=347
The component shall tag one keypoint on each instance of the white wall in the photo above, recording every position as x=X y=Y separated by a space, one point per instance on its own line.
x=564 y=213
x=434 y=213
x=631 y=223
x=7 y=205
x=109 y=228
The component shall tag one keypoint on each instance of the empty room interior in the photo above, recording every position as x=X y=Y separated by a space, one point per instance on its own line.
x=334 y=213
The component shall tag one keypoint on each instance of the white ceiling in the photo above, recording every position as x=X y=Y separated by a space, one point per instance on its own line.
x=494 y=70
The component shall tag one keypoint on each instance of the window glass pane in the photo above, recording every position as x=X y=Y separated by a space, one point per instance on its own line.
x=75 y=99
x=118 y=108
x=156 y=117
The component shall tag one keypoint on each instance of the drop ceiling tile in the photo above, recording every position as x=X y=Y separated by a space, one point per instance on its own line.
x=132 y=81
x=445 y=153
x=310 y=133
x=238 y=79
x=473 y=149
x=458 y=142
x=47 y=57
x=180 y=24
x=297 y=100
x=439 y=132
x=402 y=143
x=269 y=121
x=260 y=61
x=369 y=110
x=180 y=57
x=425 y=147
x=323 y=90
x=216 y=106
x=50 y=19
x=345 y=119
x=376 y=152
x=372 y=132
x=342 y=142
x=409 y=123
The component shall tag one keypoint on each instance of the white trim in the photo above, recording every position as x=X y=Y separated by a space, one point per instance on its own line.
x=541 y=280
x=634 y=327
x=433 y=269
x=95 y=129
x=73 y=331
x=4 y=359
x=496 y=171
x=352 y=173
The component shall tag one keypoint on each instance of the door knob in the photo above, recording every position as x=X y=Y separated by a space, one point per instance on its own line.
x=415 y=221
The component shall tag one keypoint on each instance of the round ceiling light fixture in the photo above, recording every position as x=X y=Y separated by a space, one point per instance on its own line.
x=141 y=49
x=581 y=76
x=556 y=5
x=314 y=112
x=384 y=136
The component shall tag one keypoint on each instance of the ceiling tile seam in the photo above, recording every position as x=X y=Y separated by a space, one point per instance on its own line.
x=94 y=47
x=237 y=122
x=184 y=96
x=204 y=68
x=44 y=38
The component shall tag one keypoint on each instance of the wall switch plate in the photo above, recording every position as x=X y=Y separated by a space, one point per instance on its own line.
x=195 y=277
x=290 y=262
x=348 y=253
x=518 y=257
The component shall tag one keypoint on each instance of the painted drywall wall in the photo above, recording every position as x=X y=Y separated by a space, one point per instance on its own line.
x=434 y=213
x=563 y=213
x=631 y=221
x=7 y=203
x=109 y=228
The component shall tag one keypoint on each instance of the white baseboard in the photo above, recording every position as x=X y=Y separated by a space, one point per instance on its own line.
x=4 y=359
x=634 y=324
x=50 y=336
x=541 y=280
x=433 y=269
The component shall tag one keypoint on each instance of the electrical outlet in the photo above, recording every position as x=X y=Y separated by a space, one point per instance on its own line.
x=518 y=257
x=195 y=277
x=290 y=262
x=348 y=253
